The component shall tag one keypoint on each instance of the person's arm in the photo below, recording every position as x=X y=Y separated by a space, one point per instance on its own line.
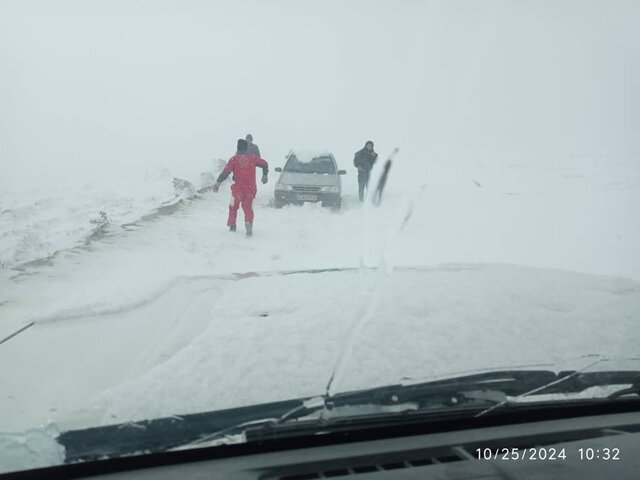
x=231 y=165
x=264 y=165
x=357 y=161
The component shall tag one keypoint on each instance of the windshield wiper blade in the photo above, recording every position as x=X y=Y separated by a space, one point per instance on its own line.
x=465 y=396
x=324 y=411
x=168 y=433
x=161 y=434
x=482 y=393
x=476 y=391
x=576 y=381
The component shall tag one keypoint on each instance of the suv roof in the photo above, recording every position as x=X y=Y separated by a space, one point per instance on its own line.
x=305 y=155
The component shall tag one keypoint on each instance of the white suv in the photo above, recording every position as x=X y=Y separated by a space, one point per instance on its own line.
x=309 y=177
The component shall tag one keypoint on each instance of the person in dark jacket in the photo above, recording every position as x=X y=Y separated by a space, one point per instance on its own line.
x=252 y=148
x=363 y=161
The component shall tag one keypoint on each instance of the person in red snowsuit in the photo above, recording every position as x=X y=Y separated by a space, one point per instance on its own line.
x=243 y=166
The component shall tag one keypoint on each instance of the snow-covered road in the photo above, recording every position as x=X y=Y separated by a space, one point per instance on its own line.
x=176 y=315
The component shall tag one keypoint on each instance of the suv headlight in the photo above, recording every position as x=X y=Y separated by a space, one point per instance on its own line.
x=284 y=188
x=332 y=189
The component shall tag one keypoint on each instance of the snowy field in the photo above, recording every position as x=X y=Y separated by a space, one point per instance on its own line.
x=42 y=215
x=518 y=266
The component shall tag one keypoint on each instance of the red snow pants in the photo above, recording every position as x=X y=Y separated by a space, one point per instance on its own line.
x=241 y=196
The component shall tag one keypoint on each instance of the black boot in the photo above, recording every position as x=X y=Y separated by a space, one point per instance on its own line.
x=232 y=228
x=249 y=227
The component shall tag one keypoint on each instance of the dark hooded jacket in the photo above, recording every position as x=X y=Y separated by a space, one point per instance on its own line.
x=252 y=149
x=364 y=159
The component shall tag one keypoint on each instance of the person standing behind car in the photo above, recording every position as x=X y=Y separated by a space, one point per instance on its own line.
x=363 y=161
x=252 y=148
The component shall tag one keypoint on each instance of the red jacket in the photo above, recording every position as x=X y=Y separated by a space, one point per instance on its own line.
x=243 y=167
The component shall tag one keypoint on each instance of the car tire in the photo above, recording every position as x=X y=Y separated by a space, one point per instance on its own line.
x=278 y=203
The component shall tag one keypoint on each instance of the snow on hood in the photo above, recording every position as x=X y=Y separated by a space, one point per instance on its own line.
x=361 y=410
x=35 y=448
x=514 y=316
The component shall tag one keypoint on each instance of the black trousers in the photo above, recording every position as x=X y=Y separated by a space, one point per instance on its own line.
x=363 y=182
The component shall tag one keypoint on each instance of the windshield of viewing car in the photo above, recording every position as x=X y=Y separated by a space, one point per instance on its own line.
x=314 y=165
x=154 y=267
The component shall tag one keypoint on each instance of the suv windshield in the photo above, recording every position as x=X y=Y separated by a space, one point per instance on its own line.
x=314 y=165
x=214 y=213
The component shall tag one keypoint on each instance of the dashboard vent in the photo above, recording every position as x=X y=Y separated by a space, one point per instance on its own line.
x=384 y=463
x=345 y=467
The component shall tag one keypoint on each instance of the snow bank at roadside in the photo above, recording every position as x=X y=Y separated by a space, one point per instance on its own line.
x=40 y=219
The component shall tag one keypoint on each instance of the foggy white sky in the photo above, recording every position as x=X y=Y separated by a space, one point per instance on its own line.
x=106 y=86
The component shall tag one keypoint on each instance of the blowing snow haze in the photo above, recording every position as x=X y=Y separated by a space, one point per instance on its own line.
x=95 y=88
x=103 y=103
